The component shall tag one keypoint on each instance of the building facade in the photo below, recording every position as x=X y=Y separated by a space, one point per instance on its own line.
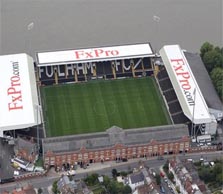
x=186 y=177
x=115 y=144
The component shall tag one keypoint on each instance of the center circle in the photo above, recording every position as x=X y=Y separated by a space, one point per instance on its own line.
x=101 y=109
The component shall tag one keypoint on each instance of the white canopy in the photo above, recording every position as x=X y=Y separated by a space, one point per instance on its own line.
x=94 y=54
x=18 y=93
x=185 y=85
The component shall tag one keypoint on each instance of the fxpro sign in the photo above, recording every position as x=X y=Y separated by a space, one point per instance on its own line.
x=14 y=90
x=17 y=92
x=184 y=79
x=94 y=54
x=185 y=85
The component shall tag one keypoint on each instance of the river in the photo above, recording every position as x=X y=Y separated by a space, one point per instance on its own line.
x=47 y=25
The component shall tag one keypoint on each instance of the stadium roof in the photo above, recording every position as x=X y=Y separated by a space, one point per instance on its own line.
x=18 y=93
x=204 y=81
x=114 y=136
x=94 y=54
x=185 y=84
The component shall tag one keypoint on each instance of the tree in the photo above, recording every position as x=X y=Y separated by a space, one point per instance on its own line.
x=177 y=189
x=118 y=188
x=114 y=173
x=55 y=188
x=217 y=78
x=222 y=50
x=40 y=191
x=92 y=179
x=126 y=189
x=170 y=176
x=112 y=188
x=166 y=166
x=123 y=173
x=205 y=48
x=212 y=59
x=106 y=181
x=218 y=49
x=158 y=179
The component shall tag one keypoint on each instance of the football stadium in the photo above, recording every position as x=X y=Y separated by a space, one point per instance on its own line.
x=87 y=105
x=90 y=90
x=95 y=106
x=100 y=93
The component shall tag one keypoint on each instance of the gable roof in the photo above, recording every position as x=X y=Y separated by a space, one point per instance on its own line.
x=106 y=139
x=136 y=178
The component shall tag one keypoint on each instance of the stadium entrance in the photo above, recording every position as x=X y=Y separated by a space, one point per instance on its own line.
x=96 y=63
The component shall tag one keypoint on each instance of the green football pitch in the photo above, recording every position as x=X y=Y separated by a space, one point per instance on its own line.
x=97 y=105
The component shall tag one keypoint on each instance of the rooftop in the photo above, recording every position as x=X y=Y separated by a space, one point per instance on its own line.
x=136 y=178
x=113 y=136
x=204 y=81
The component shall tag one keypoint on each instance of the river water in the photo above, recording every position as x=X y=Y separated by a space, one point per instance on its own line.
x=42 y=25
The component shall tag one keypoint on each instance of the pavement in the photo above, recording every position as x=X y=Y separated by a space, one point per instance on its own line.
x=6 y=151
x=94 y=167
x=169 y=182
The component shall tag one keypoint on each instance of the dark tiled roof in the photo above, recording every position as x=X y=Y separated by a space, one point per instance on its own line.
x=110 y=138
x=136 y=178
x=203 y=80
x=25 y=144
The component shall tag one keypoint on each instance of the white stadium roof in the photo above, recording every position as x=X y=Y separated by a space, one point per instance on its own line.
x=184 y=84
x=18 y=93
x=94 y=54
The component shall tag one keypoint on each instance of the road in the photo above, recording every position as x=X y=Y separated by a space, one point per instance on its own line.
x=44 y=182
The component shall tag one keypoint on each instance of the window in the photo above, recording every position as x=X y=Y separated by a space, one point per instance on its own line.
x=79 y=156
x=86 y=156
x=129 y=150
x=52 y=160
x=155 y=148
x=107 y=153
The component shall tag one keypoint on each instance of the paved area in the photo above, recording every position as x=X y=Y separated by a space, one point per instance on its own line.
x=6 y=151
x=94 y=167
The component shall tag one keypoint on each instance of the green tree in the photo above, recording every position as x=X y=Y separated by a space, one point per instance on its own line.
x=40 y=190
x=170 y=176
x=218 y=173
x=55 y=188
x=114 y=173
x=118 y=188
x=217 y=78
x=177 y=189
x=222 y=50
x=218 y=49
x=92 y=179
x=212 y=59
x=166 y=166
x=126 y=190
x=106 y=181
x=112 y=188
x=123 y=173
x=206 y=175
x=205 y=48
x=158 y=179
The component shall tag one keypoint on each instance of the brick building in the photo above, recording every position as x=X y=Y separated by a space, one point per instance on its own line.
x=26 y=149
x=115 y=144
